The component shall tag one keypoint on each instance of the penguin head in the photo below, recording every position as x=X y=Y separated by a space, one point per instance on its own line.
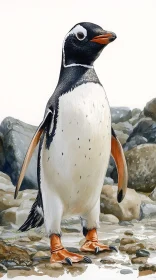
x=84 y=43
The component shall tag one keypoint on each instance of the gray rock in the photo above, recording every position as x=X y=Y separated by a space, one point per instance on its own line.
x=145 y=128
x=150 y=109
x=147 y=210
x=125 y=127
x=153 y=195
x=19 y=267
x=135 y=112
x=142 y=253
x=120 y=114
x=2 y=154
x=126 y=271
x=134 y=141
x=141 y=163
x=17 y=137
x=121 y=136
x=3 y=268
x=108 y=181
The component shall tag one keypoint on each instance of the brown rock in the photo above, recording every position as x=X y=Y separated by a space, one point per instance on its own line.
x=8 y=216
x=125 y=241
x=132 y=249
x=141 y=260
x=148 y=267
x=142 y=167
x=12 y=252
x=150 y=109
x=128 y=232
x=33 y=236
x=127 y=210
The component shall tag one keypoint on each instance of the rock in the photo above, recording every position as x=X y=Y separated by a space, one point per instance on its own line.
x=2 y=154
x=147 y=210
x=120 y=114
x=17 y=137
x=12 y=252
x=146 y=128
x=70 y=229
x=125 y=241
x=53 y=265
x=125 y=223
x=135 y=119
x=142 y=253
x=153 y=195
x=33 y=236
x=8 y=216
x=3 y=268
x=108 y=181
x=129 y=232
x=23 y=211
x=148 y=267
x=121 y=136
x=134 y=248
x=125 y=127
x=142 y=260
x=134 y=141
x=127 y=210
x=126 y=271
x=141 y=163
x=19 y=267
x=135 y=112
x=40 y=256
x=107 y=261
x=108 y=218
x=150 y=109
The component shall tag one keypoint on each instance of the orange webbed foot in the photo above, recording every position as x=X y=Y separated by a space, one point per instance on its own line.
x=93 y=245
x=61 y=255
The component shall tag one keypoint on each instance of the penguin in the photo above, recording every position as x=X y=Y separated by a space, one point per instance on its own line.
x=75 y=143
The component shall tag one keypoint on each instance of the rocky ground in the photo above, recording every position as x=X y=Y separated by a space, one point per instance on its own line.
x=130 y=225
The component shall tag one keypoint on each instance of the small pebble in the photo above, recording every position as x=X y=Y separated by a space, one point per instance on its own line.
x=126 y=271
x=117 y=240
x=141 y=260
x=128 y=232
x=125 y=241
x=142 y=253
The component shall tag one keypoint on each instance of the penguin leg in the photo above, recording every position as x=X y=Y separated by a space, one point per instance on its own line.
x=53 y=211
x=90 y=223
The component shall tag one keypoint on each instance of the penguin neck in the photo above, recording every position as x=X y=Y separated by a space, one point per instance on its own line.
x=73 y=76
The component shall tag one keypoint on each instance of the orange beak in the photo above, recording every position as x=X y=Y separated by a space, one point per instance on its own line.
x=104 y=39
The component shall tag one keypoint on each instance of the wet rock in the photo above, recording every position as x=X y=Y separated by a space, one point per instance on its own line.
x=125 y=241
x=109 y=218
x=17 y=137
x=107 y=261
x=127 y=210
x=134 y=248
x=141 y=163
x=9 y=264
x=129 y=232
x=126 y=271
x=148 y=267
x=142 y=260
x=19 y=267
x=125 y=127
x=142 y=253
x=39 y=256
x=12 y=252
x=33 y=236
x=125 y=223
x=153 y=195
x=150 y=109
x=3 y=268
x=8 y=216
x=120 y=114
x=147 y=210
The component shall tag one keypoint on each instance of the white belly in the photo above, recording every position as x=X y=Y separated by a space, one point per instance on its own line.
x=74 y=167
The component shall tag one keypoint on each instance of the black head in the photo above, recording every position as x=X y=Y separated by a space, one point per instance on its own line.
x=84 y=43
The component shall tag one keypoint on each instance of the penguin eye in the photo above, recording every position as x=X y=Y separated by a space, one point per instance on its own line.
x=80 y=36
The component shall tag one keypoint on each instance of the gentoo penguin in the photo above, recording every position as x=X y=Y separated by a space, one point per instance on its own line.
x=75 y=142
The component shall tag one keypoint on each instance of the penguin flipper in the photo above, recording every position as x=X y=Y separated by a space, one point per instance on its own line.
x=119 y=157
x=35 y=217
x=30 y=151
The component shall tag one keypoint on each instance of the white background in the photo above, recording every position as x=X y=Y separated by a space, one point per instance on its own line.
x=31 y=35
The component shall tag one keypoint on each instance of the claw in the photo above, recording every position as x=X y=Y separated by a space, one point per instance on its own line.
x=68 y=261
x=113 y=248
x=96 y=250
x=87 y=260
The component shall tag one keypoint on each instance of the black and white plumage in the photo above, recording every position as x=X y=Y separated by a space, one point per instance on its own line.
x=75 y=134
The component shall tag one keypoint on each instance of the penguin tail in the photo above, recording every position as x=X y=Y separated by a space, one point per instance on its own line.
x=35 y=217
